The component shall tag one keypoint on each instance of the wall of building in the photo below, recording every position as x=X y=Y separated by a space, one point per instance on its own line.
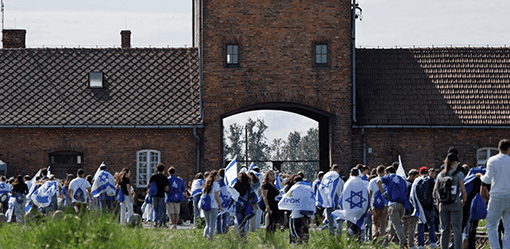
x=276 y=53
x=26 y=150
x=423 y=147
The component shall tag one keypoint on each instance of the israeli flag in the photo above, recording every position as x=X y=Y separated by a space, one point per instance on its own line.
x=354 y=201
x=10 y=210
x=278 y=182
x=252 y=166
x=231 y=173
x=415 y=202
x=471 y=176
x=196 y=187
x=104 y=183
x=330 y=189
x=300 y=197
x=225 y=198
x=49 y=171
x=5 y=188
x=43 y=195
x=400 y=171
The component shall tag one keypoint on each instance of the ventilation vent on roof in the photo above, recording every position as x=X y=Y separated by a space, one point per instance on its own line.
x=96 y=80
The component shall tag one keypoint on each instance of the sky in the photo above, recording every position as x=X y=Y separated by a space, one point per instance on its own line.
x=163 y=23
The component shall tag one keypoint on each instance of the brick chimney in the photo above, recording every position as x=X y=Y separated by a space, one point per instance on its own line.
x=125 y=38
x=13 y=38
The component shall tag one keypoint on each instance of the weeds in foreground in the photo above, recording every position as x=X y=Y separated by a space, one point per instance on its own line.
x=89 y=230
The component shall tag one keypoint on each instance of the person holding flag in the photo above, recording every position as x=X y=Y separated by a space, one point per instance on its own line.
x=5 y=188
x=328 y=197
x=223 y=217
x=17 y=200
x=423 y=203
x=300 y=200
x=354 y=203
x=103 y=188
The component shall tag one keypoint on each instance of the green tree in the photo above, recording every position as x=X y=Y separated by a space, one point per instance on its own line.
x=234 y=145
x=277 y=148
x=258 y=149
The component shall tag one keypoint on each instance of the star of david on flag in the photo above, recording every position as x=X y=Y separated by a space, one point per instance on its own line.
x=354 y=201
x=103 y=182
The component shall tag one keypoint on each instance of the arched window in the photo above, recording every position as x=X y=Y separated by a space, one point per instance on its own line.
x=146 y=162
x=483 y=154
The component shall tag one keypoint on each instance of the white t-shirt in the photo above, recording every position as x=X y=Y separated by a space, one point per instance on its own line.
x=212 y=194
x=79 y=183
x=372 y=186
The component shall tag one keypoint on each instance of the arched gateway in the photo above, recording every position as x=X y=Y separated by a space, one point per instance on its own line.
x=258 y=55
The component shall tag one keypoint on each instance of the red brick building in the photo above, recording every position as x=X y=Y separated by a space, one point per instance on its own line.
x=72 y=108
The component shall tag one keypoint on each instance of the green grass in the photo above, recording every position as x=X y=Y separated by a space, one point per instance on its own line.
x=91 y=231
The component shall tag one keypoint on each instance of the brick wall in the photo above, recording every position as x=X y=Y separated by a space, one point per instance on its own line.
x=423 y=147
x=26 y=150
x=13 y=38
x=276 y=42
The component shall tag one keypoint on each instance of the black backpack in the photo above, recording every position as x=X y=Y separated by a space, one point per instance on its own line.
x=423 y=192
x=444 y=189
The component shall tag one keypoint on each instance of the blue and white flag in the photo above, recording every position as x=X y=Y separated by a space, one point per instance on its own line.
x=103 y=183
x=225 y=198
x=196 y=187
x=49 y=171
x=5 y=188
x=231 y=172
x=354 y=201
x=299 y=197
x=251 y=166
x=415 y=202
x=471 y=176
x=278 y=182
x=330 y=189
x=43 y=195
x=10 y=210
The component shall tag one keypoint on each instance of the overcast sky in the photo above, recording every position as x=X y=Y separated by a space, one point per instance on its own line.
x=386 y=23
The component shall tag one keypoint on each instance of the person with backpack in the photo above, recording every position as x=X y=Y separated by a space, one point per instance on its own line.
x=423 y=188
x=449 y=183
x=328 y=197
x=174 y=197
x=409 y=220
x=378 y=205
x=209 y=203
x=197 y=187
x=396 y=193
x=159 y=183
x=79 y=190
x=498 y=173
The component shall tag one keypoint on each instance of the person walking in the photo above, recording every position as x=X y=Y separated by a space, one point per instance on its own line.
x=269 y=192
x=396 y=193
x=328 y=196
x=378 y=205
x=246 y=196
x=158 y=199
x=126 y=207
x=498 y=173
x=197 y=187
x=424 y=187
x=79 y=190
x=212 y=188
x=174 y=197
x=450 y=208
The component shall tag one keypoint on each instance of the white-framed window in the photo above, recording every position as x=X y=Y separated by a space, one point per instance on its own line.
x=146 y=162
x=483 y=154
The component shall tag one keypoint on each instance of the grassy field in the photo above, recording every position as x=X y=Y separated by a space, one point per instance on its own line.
x=91 y=231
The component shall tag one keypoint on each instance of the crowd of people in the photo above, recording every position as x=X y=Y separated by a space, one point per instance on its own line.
x=380 y=205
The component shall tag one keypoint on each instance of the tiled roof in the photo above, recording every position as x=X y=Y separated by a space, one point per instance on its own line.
x=437 y=86
x=144 y=87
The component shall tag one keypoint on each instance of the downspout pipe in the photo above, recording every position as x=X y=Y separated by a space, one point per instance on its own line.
x=201 y=55
x=353 y=44
x=198 y=148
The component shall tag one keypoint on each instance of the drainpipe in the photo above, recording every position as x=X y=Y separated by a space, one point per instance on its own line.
x=198 y=148
x=353 y=43
x=200 y=54
x=193 y=16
